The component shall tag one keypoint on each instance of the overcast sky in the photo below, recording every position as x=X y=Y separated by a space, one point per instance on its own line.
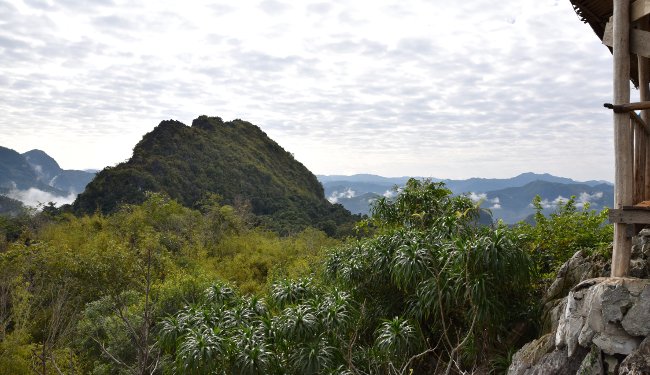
x=450 y=89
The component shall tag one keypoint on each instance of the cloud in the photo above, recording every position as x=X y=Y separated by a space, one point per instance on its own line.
x=585 y=198
x=273 y=7
x=336 y=195
x=477 y=197
x=483 y=198
x=580 y=201
x=113 y=22
x=392 y=193
x=401 y=90
x=546 y=203
x=221 y=9
x=319 y=8
x=34 y=197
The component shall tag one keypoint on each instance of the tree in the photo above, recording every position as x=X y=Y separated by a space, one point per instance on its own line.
x=430 y=264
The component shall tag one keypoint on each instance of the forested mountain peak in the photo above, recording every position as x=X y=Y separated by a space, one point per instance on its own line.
x=234 y=159
x=44 y=165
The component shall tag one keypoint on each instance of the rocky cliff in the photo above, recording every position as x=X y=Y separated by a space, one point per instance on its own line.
x=594 y=324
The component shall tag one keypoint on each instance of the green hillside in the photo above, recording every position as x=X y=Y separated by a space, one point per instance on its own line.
x=234 y=159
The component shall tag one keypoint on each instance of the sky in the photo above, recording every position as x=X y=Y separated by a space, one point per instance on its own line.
x=447 y=89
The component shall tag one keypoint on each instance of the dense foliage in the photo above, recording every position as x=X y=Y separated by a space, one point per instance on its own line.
x=160 y=288
x=430 y=291
x=553 y=239
x=86 y=294
x=235 y=159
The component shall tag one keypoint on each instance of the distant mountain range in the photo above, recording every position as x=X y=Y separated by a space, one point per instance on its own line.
x=35 y=176
x=508 y=199
x=237 y=160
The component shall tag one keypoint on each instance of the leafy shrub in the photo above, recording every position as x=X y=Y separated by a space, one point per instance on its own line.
x=552 y=240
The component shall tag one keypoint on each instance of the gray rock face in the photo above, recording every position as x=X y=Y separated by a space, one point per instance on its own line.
x=592 y=324
x=640 y=257
x=530 y=354
x=604 y=319
x=597 y=312
x=636 y=321
x=578 y=268
x=540 y=357
x=592 y=363
x=575 y=270
x=638 y=362
x=557 y=363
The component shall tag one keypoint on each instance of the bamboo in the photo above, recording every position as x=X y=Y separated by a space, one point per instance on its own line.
x=623 y=159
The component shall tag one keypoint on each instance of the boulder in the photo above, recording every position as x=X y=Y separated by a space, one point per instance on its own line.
x=557 y=362
x=640 y=256
x=636 y=320
x=638 y=362
x=580 y=267
x=530 y=354
x=577 y=269
x=592 y=364
x=593 y=324
x=604 y=320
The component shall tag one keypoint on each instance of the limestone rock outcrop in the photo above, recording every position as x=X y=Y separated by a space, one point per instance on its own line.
x=593 y=324
x=604 y=323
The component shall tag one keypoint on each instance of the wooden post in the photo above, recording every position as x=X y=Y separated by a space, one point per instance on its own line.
x=640 y=136
x=623 y=148
x=639 y=162
x=644 y=95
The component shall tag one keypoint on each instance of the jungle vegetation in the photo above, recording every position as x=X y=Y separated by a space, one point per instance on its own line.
x=156 y=287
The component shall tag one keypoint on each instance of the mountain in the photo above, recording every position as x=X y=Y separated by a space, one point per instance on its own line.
x=364 y=178
x=44 y=165
x=347 y=189
x=14 y=170
x=10 y=207
x=35 y=177
x=514 y=204
x=48 y=171
x=17 y=173
x=358 y=204
x=488 y=184
x=235 y=160
x=508 y=199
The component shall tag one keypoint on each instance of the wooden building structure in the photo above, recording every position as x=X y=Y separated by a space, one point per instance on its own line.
x=624 y=26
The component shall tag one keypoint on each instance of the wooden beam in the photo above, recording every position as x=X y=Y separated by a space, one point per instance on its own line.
x=623 y=158
x=639 y=40
x=642 y=124
x=628 y=107
x=629 y=216
x=639 y=9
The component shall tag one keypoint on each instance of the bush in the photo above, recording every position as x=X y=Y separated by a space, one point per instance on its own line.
x=553 y=240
